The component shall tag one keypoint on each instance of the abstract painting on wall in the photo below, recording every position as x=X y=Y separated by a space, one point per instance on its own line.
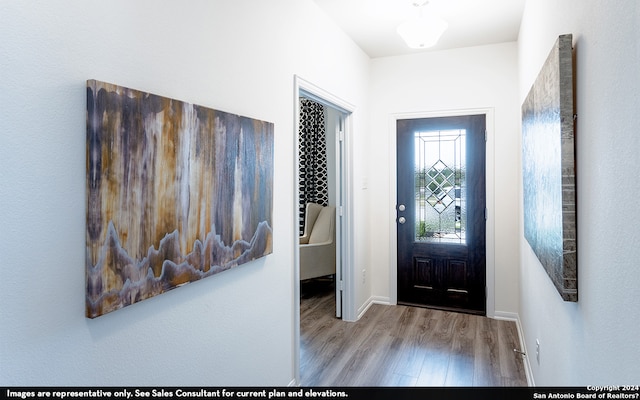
x=548 y=162
x=175 y=192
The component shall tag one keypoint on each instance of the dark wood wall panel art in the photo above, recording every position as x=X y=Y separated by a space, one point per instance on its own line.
x=549 y=173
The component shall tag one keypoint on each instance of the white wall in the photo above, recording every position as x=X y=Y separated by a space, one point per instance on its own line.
x=239 y=56
x=593 y=341
x=469 y=78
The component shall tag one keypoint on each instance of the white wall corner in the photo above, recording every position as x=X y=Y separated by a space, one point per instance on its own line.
x=371 y=301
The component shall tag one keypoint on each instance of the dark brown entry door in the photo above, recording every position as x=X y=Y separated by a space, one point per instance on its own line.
x=441 y=212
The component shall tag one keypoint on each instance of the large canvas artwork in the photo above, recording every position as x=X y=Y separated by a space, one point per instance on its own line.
x=549 y=181
x=175 y=192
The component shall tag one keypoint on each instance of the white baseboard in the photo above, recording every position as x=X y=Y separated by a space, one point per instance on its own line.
x=370 y=301
x=523 y=344
x=506 y=316
x=380 y=300
x=509 y=316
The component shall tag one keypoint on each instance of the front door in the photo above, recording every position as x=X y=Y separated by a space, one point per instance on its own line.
x=441 y=212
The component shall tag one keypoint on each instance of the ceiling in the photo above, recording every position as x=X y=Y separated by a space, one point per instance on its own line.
x=372 y=23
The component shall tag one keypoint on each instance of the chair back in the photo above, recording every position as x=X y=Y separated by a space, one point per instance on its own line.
x=324 y=227
x=311 y=214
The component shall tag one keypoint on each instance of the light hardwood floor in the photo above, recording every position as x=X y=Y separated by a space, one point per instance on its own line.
x=403 y=346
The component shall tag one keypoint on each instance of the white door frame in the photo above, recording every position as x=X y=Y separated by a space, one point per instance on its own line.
x=490 y=193
x=344 y=214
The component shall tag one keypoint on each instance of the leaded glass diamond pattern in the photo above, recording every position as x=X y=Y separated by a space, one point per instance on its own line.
x=441 y=186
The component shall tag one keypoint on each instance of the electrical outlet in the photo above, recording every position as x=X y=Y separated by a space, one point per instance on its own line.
x=538 y=351
x=364 y=275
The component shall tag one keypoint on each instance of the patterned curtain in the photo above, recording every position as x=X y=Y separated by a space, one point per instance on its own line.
x=312 y=148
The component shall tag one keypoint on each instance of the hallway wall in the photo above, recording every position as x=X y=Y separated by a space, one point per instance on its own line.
x=593 y=341
x=237 y=56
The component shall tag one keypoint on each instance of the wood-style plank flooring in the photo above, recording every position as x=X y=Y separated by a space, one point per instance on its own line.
x=403 y=346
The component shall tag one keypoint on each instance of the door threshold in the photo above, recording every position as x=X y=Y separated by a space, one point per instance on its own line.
x=442 y=308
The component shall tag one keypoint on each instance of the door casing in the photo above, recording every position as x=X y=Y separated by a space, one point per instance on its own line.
x=490 y=199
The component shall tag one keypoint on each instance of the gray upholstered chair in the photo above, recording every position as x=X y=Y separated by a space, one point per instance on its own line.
x=318 y=243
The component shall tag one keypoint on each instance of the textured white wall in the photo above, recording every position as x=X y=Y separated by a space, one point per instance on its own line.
x=593 y=341
x=478 y=77
x=239 y=56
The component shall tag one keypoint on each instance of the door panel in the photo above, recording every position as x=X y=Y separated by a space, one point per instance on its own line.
x=425 y=274
x=456 y=273
x=441 y=212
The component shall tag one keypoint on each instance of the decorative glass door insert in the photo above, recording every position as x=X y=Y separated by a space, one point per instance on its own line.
x=440 y=186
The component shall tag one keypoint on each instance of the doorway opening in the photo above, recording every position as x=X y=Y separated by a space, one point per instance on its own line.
x=336 y=120
x=320 y=146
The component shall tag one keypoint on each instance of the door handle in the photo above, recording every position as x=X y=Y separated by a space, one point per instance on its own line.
x=402 y=220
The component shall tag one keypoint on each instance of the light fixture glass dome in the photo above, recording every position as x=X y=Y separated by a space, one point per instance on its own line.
x=423 y=31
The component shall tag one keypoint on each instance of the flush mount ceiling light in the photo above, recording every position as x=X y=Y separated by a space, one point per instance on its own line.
x=424 y=30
